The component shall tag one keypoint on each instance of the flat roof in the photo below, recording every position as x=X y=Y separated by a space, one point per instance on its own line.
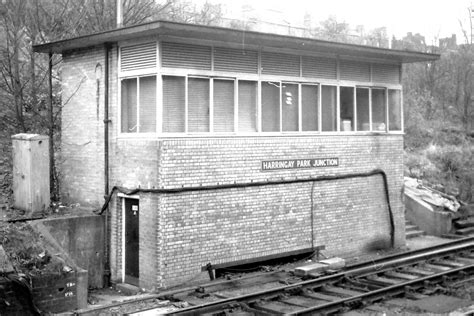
x=236 y=36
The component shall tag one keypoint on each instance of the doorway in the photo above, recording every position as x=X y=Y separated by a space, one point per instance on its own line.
x=131 y=242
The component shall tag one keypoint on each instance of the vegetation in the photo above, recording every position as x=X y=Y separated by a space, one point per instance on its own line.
x=439 y=117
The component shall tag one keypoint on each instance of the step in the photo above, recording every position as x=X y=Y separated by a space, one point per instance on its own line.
x=410 y=228
x=127 y=289
x=465 y=223
x=413 y=234
x=465 y=231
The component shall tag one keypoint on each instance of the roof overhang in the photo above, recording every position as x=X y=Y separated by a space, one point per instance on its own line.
x=227 y=35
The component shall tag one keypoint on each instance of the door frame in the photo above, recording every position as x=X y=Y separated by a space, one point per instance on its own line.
x=122 y=197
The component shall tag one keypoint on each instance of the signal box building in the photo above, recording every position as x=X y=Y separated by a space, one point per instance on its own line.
x=223 y=146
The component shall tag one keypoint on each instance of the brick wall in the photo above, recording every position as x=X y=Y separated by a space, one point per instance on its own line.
x=81 y=163
x=191 y=229
x=349 y=216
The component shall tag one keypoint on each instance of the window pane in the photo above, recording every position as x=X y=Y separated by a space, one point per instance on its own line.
x=247 y=106
x=223 y=105
x=289 y=99
x=328 y=108
x=309 y=107
x=270 y=106
x=198 y=105
x=346 y=97
x=173 y=104
x=129 y=105
x=363 y=118
x=378 y=110
x=394 y=110
x=147 y=101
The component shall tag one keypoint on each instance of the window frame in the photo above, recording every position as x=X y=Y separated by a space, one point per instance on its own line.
x=159 y=71
x=119 y=106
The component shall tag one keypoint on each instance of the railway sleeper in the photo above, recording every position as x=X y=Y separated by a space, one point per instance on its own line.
x=437 y=267
x=302 y=301
x=469 y=255
x=465 y=260
x=401 y=275
x=342 y=291
x=418 y=271
x=450 y=263
x=384 y=280
x=356 y=285
x=321 y=296
x=276 y=307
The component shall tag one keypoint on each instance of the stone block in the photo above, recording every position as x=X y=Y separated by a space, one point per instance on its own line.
x=311 y=268
x=334 y=263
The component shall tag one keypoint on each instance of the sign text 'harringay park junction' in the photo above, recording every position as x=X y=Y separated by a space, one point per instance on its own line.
x=299 y=163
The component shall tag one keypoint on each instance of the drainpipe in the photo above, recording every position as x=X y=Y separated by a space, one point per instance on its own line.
x=106 y=162
x=52 y=188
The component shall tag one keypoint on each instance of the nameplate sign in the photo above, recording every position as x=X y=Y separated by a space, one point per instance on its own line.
x=299 y=163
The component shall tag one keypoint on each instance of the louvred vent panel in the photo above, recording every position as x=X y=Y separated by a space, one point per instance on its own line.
x=137 y=57
x=178 y=55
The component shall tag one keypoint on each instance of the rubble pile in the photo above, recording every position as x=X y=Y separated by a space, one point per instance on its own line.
x=26 y=251
x=439 y=200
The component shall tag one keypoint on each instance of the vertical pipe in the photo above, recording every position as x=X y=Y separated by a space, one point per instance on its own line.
x=51 y=126
x=106 y=119
x=106 y=163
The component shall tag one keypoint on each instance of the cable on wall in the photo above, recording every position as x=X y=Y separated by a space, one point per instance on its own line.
x=265 y=183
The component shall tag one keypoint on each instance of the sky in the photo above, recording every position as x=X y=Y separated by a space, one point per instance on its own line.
x=432 y=19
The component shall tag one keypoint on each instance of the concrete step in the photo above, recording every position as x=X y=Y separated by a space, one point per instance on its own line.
x=413 y=234
x=465 y=231
x=410 y=228
x=465 y=223
x=127 y=289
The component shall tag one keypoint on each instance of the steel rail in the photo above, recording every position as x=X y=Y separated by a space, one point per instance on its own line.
x=400 y=255
x=354 y=269
x=358 y=269
x=382 y=292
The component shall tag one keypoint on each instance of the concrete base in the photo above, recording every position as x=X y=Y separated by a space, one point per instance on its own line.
x=82 y=239
x=433 y=221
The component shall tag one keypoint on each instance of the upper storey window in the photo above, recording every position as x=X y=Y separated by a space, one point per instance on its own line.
x=196 y=89
x=138 y=106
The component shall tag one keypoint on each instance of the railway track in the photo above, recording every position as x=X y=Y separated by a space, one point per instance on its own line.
x=357 y=285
